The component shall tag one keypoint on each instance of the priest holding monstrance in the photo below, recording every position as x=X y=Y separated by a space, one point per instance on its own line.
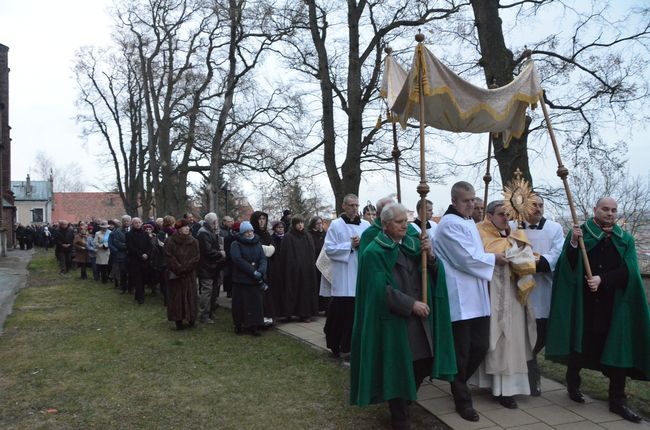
x=512 y=323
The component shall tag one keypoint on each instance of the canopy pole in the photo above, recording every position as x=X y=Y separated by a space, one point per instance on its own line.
x=563 y=172
x=423 y=187
x=487 y=178
x=396 y=152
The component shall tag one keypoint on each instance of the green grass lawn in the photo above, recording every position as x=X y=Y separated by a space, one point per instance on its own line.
x=75 y=354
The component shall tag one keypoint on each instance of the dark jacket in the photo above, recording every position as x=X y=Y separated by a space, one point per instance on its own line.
x=138 y=243
x=247 y=257
x=117 y=244
x=210 y=247
x=63 y=237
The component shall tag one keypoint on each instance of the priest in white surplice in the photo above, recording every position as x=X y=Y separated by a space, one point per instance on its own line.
x=547 y=238
x=468 y=268
x=341 y=244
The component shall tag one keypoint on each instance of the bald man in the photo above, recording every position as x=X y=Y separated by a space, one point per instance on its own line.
x=602 y=323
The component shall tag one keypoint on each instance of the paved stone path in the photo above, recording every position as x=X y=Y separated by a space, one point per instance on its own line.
x=13 y=277
x=553 y=410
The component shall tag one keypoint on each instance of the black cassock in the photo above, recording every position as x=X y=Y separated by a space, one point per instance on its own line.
x=300 y=287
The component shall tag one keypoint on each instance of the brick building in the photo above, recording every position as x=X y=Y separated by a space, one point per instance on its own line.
x=7 y=209
x=75 y=207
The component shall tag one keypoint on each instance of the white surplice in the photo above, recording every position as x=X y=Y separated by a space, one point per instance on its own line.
x=431 y=231
x=468 y=268
x=548 y=242
x=343 y=258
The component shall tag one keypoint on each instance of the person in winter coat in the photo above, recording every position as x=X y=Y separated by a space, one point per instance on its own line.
x=249 y=268
x=117 y=245
x=63 y=238
x=81 y=250
x=315 y=229
x=212 y=255
x=297 y=259
x=182 y=255
x=102 y=250
x=275 y=301
x=138 y=253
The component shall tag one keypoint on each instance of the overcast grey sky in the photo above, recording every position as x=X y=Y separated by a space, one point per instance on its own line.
x=42 y=37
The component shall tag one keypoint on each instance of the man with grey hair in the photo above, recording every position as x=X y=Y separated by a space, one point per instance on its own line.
x=396 y=334
x=468 y=268
x=212 y=256
x=512 y=327
x=117 y=244
x=375 y=228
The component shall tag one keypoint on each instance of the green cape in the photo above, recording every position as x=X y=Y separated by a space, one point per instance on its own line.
x=381 y=365
x=375 y=228
x=628 y=340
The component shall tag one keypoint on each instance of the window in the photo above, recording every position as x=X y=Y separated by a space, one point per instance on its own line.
x=37 y=215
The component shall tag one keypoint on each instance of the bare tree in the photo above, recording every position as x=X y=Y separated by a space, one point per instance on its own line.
x=65 y=178
x=347 y=67
x=110 y=102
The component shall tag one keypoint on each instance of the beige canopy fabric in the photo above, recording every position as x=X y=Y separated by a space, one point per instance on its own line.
x=392 y=80
x=454 y=104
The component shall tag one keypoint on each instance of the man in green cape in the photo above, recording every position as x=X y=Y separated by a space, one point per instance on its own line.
x=397 y=339
x=602 y=323
x=375 y=226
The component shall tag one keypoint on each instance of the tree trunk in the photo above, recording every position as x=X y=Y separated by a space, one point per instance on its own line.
x=497 y=62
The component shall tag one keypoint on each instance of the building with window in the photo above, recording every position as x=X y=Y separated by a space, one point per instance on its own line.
x=34 y=201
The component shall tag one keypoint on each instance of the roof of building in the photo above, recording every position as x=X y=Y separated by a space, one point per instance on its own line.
x=40 y=190
x=75 y=207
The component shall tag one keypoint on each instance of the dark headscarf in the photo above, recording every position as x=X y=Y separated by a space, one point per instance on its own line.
x=263 y=233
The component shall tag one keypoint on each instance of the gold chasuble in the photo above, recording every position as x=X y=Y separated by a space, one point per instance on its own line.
x=513 y=332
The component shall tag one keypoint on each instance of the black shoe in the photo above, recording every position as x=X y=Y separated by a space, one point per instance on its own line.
x=237 y=329
x=625 y=412
x=255 y=333
x=576 y=396
x=179 y=325
x=507 y=401
x=468 y=413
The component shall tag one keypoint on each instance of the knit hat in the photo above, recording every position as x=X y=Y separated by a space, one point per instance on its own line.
x=245 y=226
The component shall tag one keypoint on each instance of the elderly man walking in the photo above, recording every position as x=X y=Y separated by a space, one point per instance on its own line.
x=212 y=255
x=602 y=323
x=398 y=340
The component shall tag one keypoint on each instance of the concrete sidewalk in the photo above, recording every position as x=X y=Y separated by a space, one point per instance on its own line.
x=553 y=410
x=13 y=277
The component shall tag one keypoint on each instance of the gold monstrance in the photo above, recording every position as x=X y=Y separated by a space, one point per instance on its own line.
x=518 y=199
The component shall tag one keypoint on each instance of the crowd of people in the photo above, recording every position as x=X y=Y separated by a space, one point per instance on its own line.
x=472 y=301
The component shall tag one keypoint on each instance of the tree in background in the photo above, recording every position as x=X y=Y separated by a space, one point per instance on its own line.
x=65 y=177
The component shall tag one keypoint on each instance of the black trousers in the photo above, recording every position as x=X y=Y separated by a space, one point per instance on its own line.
x=616 y=377
x=541 y=335
x=399 y=413
x=338 y=326
x=471 y=342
